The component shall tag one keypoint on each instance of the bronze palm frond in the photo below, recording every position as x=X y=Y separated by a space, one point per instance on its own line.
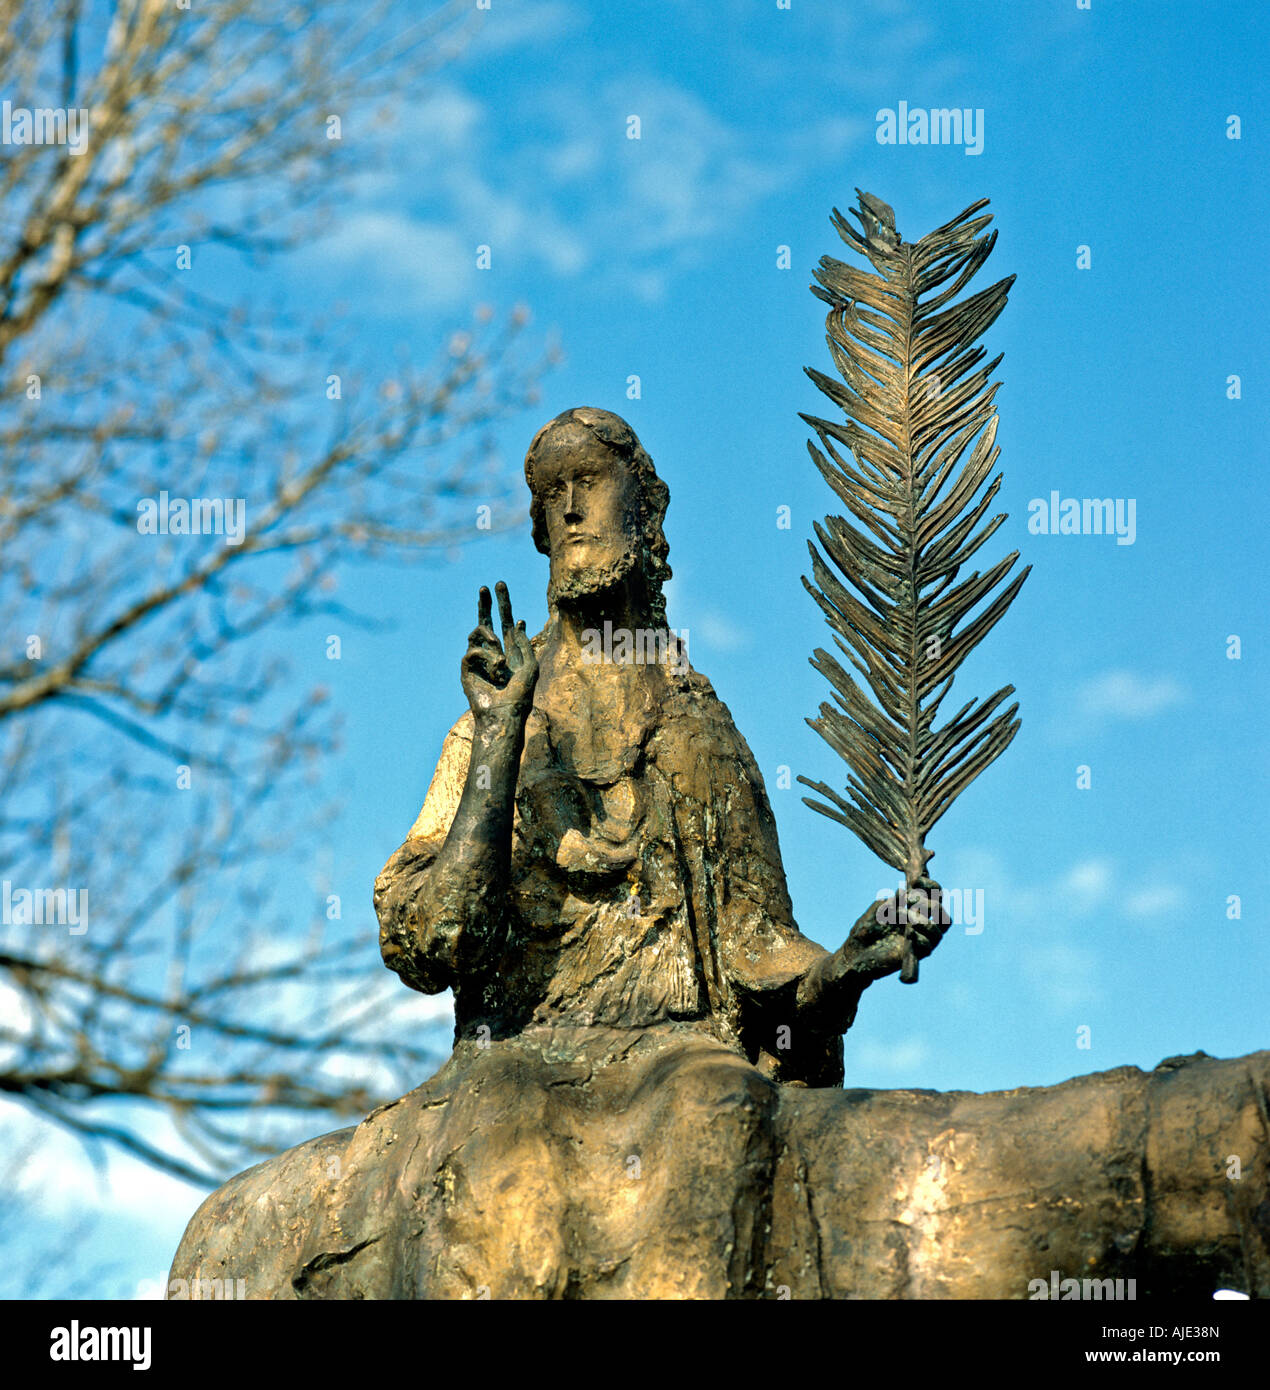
x=916 y=399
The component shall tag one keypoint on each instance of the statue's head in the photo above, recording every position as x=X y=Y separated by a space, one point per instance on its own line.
x=597 y=509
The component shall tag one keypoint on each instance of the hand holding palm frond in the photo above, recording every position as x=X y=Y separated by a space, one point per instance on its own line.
x=916 y=399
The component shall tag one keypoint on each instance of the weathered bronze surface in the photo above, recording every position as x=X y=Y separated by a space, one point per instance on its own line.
x=643 y=1099
x=846 y=1194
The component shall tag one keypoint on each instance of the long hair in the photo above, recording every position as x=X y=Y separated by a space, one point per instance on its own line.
x=653 y=494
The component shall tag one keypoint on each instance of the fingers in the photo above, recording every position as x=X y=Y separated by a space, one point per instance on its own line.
x=483 y=649
x=928 y=920
x=482 y=637
x=505 y=613
x=925 y=906
x=490 y=660
x=524 y=677
x=923 y=940
x=488 y=663
x=912 y=920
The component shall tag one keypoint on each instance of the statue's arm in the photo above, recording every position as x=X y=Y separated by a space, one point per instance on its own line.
x=828 y=994
x=442 y=898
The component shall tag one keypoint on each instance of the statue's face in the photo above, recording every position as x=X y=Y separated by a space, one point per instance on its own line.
x=590 y=509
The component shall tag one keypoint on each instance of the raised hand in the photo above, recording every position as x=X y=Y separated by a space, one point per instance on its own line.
x=498 y=677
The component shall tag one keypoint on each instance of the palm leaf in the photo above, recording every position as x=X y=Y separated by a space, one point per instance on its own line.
x=911 y=464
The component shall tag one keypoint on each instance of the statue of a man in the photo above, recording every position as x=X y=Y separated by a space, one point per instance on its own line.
x=638 y=1021
x=596 y=875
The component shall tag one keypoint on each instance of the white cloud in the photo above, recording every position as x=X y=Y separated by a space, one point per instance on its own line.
x=1051 y=916
x=152 y=1290
x=1088 y=881
x=517 y=23
x=827 y=140
x=576 y=158
x=719 y=632
x=545 y=175
x=514 y=222
x=60 y=1179
x=374 y=1076
x=1156 y=900
x=862 y=49
x=649 y=286
x=1128 y=695
x=1074 y=892
x=404 y=263
x=444 y=120
x=689 y=175
x=16 y=1017
x=424 y=1010
x=569 y=192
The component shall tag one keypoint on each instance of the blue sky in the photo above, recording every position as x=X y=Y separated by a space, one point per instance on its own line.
x=1104 y=908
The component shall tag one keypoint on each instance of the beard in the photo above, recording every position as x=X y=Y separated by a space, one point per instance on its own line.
x=591 y=581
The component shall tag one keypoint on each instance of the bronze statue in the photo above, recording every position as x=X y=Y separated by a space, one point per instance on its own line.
x=644 y=1097
x=596 y=875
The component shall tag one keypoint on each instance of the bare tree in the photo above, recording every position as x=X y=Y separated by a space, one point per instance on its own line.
x=182 y=474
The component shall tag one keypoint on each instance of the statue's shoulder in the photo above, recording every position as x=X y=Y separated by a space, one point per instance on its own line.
x=689 y=694
x=692 y=710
